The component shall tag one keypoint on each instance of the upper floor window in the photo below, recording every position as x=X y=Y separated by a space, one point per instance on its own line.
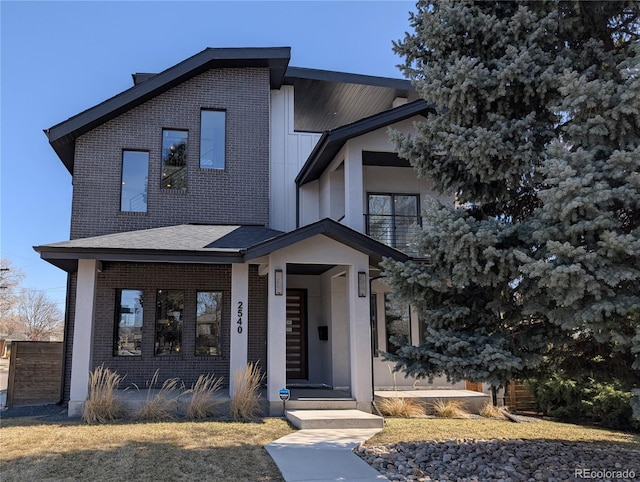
x=129 y=315
x=391 y=217
x=208 y=321
x=169 y=313
x=135 y=176
x=174 y=159
x=212 y=139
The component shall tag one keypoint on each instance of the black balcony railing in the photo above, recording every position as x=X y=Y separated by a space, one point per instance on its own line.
x=393 y=230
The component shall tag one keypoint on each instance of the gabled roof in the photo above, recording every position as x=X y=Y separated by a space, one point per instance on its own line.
x=189 y=243
x=62 y=136
x=334 y=230
x=332 y=141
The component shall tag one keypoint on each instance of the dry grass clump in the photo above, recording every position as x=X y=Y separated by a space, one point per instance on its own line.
x=164 y=404
x=203 y=403
x=488 y=410
x=450 y=409
x=102 y=404
x=245 y=405
x=401 y=407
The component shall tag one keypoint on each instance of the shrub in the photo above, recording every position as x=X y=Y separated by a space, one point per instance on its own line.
x=489 y=410
x=401 y=407
x=450 y=409
x=102 y=404
x=584 y=401
x=164 y=404
x=245 y=404
x=203 y=403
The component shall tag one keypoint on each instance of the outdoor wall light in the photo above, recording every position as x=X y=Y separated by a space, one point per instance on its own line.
x=362 y=284
x=279 y=281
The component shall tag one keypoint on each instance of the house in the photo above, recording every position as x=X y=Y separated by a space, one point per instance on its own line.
x=232 y=209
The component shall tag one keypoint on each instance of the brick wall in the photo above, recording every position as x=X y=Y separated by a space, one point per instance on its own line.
x=149 y=278
x=237 y=195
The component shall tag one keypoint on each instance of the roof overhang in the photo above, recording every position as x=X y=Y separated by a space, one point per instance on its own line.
x=332 y=141
x=62 y=136
x=209 y=245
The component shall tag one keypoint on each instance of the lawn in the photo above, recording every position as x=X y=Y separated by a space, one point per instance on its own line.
x=220 y=451
x=139 y=451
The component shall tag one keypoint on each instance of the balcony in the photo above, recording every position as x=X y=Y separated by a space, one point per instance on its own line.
x=396 y=231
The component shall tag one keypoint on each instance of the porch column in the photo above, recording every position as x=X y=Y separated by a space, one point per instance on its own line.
x=360 y=336
x=239 y=320
x=276 y=335
x=82 y=335
x=353 y=190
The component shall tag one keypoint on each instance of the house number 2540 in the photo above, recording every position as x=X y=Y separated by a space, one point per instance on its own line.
x=239 y=322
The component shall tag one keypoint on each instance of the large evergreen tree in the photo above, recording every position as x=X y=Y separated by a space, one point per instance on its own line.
x=535 y=133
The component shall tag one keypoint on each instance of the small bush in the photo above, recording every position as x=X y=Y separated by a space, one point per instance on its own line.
x=245 y=404
x=401 y=407
x=203 y=403
x=103 y=404
x=164 y=404
x=584 y=401
x=488 y=410
x=450 y=409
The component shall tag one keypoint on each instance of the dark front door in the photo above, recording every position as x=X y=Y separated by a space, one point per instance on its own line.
x=296 y=334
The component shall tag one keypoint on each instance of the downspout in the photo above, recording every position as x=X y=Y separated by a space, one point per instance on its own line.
x=373 y=349
x=65 y=340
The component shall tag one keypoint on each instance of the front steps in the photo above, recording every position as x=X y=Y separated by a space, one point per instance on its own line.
x=333 y=419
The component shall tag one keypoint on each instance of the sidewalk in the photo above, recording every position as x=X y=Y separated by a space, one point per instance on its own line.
x=323 y=455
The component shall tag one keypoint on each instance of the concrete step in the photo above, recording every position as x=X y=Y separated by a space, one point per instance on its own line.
x=322 y=404
x=333 y=419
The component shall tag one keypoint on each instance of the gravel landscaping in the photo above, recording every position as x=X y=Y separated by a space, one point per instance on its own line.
x=503 y=460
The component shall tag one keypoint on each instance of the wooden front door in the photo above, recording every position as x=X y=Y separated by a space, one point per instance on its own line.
x=296 y=334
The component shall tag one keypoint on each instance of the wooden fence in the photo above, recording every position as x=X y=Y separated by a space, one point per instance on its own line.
x=519 y=399
x=35 y=373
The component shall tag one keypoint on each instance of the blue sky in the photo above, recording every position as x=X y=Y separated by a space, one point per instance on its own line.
x=59 y=58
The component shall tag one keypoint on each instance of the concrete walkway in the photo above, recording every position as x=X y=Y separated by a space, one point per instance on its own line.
x=323 y=455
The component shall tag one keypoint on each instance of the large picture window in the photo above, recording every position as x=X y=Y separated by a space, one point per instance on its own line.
x=212 y=139
x=135 y=176
x=169 y=314
x=174 y=159
x=397 y=323
x=129 y=316
x=208 y=321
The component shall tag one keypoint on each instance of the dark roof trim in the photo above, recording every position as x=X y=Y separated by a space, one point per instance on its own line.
x=62 y=136
x=67 y=258
x=334 y=230
x=331 y=76
x=332 y=141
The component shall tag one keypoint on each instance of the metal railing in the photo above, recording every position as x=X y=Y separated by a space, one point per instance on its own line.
x=393 y=230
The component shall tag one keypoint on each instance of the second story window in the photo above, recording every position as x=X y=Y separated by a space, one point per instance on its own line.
x=212 y=139
x=135 y=175
x=391 y=217
x=174 y=159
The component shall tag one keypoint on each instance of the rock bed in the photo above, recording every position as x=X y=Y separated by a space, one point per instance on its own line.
x=503 y=460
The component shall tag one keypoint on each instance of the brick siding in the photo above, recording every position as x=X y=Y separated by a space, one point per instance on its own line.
x=239 y=194
x=149 y=278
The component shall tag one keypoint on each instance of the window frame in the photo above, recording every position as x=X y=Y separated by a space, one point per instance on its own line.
x=118 y=320
x=220 y=311
x=392 y=217
x=122 y=180
x=184 y=178
x=213 y=167
x=160 y=349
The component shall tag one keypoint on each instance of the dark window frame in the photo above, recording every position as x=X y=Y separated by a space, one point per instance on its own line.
x=393 y=216
x=224 y=140
x=183 y=169
x=174 y=347
x=122 y=181
x=117 y=324
x=220 y=309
